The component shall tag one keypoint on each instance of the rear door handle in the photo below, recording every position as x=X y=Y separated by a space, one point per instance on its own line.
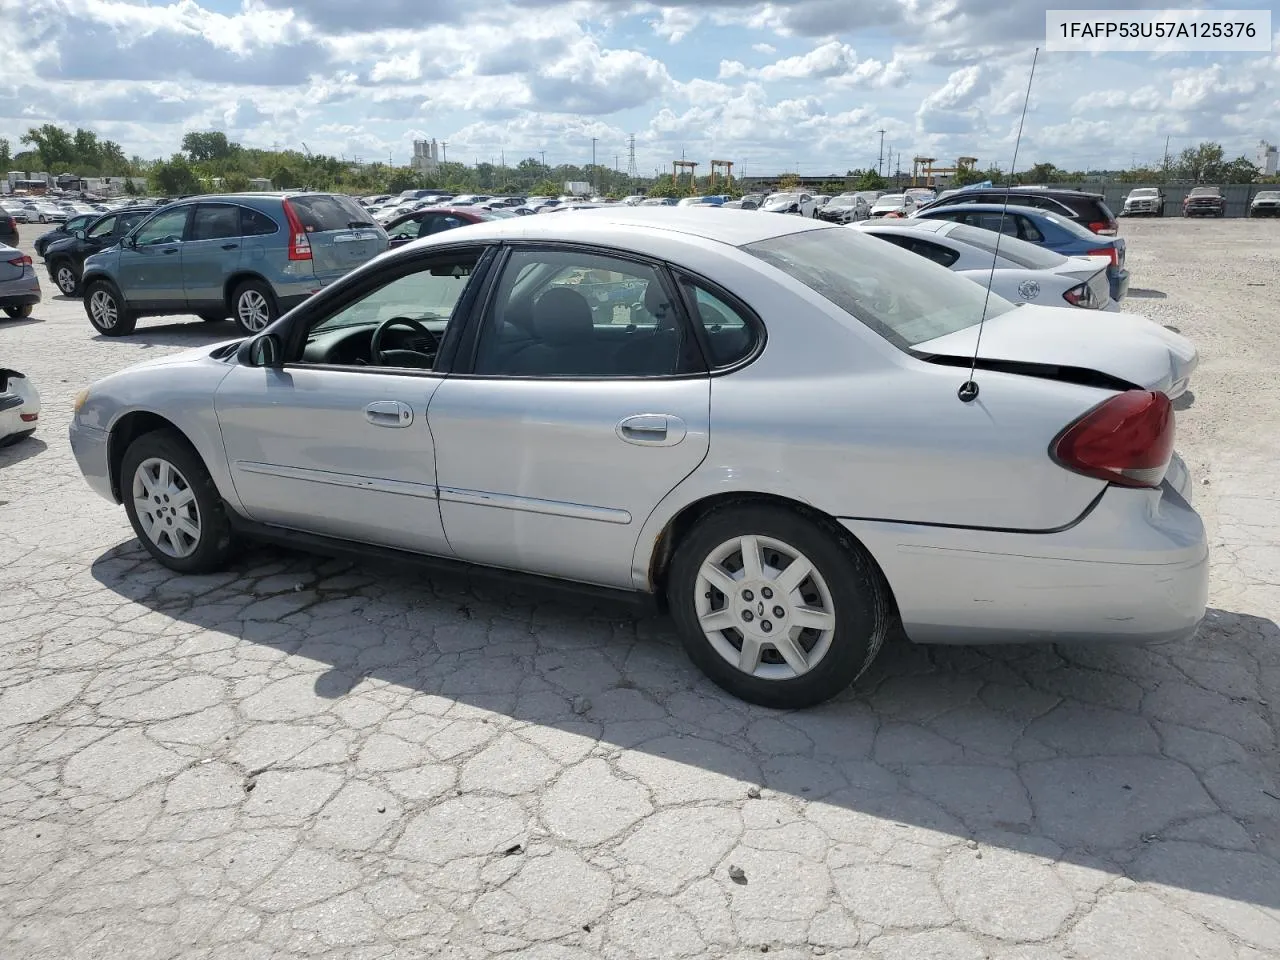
x=230 y=246
x=169 y=250
x=652 y=429
x=389 y=413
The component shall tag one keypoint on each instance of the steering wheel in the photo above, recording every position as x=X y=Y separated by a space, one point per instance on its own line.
x=399 y=357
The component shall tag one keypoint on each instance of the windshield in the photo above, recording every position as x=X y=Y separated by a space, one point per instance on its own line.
x=1016 y=251
x=880 y=284
x=1268 y=195
x=892 y=200
x=1143 y=192
x=1204 y=191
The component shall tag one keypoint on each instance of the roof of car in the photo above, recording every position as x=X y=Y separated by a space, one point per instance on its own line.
x=734 y=227
x=993 y=208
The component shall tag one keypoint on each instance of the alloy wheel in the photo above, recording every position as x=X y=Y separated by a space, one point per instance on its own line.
x=764 y=607
x=166 y=507
x=66 y=280
x=253 y=311
x=103 y=309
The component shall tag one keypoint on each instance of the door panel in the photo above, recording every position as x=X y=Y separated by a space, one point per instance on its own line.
x=336 y=452
x=547 y=476
x=211 y=254
x=150 y=273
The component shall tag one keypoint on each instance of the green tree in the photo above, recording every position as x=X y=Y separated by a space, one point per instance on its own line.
x=962 y=178
x=870 y=180
x=1041 y=173
x=1240 y=170
x=175 y=177
x=207 y=146
x=53 y=145
x=6 y=157
x=235 y=182
x=283 y=178
x=403 y=179
x=1200 y=163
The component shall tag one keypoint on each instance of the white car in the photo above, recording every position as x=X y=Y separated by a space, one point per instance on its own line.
x=893 y=203
x=801 y=204
x=18 y=211
x=921 y=195
x=1147 y=201
x=46 y=213
x=1023 y=272
x=19 y=407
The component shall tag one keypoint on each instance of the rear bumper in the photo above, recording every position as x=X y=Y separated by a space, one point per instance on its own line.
x=1134 y=569
x=1119 y=283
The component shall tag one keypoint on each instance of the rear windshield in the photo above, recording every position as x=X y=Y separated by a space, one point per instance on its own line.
x=894 y=292
x=322 y=212
x=1024 y=254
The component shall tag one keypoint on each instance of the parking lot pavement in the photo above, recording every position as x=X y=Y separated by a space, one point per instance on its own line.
x=309 y=758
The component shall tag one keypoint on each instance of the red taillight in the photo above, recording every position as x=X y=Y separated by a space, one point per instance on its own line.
x=299 y=242
x=1127 y=439
x=29 y=417
x=20 y=262
x=1105 y=227
x=1081 y=296
x=1111 y=253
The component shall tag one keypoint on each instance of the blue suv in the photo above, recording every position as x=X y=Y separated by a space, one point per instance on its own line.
x=248 y=256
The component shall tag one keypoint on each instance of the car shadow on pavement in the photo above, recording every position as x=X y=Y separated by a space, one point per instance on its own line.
x=1138 y=293
x=185 y=334
x=8 y=323
x=24 y=449
x=1156 y=763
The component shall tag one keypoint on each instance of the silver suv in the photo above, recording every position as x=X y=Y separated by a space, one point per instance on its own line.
x=250 y=256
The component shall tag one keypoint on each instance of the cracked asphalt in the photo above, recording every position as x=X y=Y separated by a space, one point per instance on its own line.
x=309 y=758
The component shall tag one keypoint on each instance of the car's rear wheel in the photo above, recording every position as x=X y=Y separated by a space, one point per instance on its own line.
x=106 y=310
x=254 y=306
x=65 y=278
x=776 y=607
x=173 y=504
x=19 y=313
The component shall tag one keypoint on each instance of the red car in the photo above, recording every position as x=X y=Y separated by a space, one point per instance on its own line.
x=429 y=220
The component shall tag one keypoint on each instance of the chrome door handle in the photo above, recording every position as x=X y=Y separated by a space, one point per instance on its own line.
x=389 y=413
x=652 y=429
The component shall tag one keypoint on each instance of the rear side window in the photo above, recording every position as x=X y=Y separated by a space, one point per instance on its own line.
x=215 y=221
x=930 y=251
x=103 y=227
x=726 y=332
x=323 y=212
x=254 y=223
x=128 y=221
x=1015 y=251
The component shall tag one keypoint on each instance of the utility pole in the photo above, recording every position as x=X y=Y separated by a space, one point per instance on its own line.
x=444 y=151
x=543 y=154
x=594 y=188
x=1166 y=157
x=880 y=162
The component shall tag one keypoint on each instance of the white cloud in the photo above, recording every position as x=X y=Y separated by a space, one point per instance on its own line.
x=766 y=48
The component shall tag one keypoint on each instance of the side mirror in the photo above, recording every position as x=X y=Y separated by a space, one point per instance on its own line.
x=264 y=350
x=129 y=243
x=79 y=234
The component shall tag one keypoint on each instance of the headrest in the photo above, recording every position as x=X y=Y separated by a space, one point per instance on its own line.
x=563 y=316
x=658 y=304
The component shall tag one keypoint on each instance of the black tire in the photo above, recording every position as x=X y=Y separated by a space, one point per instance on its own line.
x=19 y=313
x=216 y=543
x=125 y=320
x=64 y=277
x=860 y=603
x=253 y=288
x=213 y=317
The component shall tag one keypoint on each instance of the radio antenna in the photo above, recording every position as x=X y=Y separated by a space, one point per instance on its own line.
x=968 y=391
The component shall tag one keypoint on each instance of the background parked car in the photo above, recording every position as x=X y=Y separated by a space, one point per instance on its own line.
x=1020 y=272
x=423 y=223
x=800 y=204
x=893 y=204
x=846 y=208
x=64 y=258
x=1265 y=204
x=8 y=229
x=1090 y=210
x=1046 y=229
x=19 y=407
x=16 y=209
x=1204 y=202
x=46 y=212
x=19 y=285
x=1143 y=201
x=63 y=230
x=249 y=255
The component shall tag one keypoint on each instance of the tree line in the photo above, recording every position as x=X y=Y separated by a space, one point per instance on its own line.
x=209 y=156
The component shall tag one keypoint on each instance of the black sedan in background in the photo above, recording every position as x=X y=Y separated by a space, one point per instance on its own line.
x=64 y=230
x=64 y=258
x=423 y=223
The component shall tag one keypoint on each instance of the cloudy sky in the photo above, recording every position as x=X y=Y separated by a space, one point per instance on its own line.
x=790 y=84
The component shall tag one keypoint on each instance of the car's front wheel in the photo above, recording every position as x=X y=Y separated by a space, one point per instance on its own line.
x=253 y=306
x=19 y=313
x=173 y=504
x=106 y=310
x=776 y=607
x=65 y=278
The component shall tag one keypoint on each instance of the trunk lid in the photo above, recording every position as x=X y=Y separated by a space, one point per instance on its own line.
x=342 y=234
x=1116 y=345
x=8 y=270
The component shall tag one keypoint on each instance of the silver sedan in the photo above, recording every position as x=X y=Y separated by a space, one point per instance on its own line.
x=765 y=423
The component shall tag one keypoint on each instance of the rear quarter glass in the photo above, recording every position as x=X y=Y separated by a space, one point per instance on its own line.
x=323 y=212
